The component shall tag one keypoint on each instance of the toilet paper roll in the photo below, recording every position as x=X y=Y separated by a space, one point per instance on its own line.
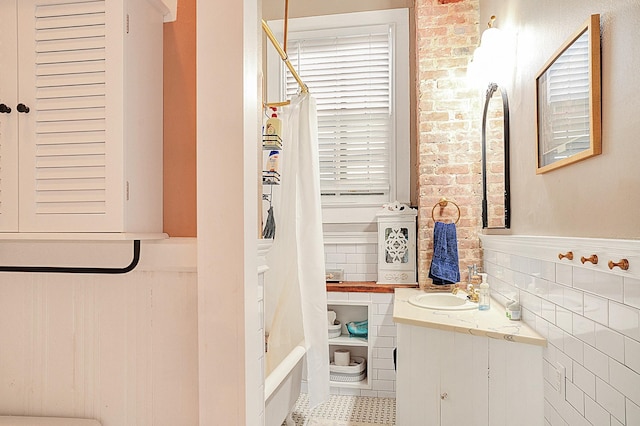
x=342 y=357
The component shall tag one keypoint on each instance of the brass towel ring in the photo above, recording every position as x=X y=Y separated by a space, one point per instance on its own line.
x=443 y=203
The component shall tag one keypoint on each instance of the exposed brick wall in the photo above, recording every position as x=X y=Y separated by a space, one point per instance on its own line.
x=449 y=122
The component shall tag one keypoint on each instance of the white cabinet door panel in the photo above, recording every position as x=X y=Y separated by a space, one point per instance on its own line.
x=66 y=182
x=8 y=120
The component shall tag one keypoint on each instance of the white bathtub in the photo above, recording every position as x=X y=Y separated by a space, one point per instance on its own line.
x=282 y=388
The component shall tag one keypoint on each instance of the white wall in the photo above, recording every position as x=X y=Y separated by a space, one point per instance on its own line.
x=597 y=197
x=118 y=348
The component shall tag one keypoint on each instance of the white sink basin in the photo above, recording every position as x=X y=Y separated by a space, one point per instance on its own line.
x=442 y=301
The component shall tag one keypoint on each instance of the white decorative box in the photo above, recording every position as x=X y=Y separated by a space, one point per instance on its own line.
x=397 y=244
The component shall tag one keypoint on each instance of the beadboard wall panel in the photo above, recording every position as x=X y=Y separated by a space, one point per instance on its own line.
x=118 y=348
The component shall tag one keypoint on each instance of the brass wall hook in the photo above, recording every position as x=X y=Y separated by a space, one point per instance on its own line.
x=568 y=255
x=593 y=259
x=622 y=264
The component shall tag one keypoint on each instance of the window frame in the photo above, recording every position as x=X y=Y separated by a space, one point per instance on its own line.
x=356 y=211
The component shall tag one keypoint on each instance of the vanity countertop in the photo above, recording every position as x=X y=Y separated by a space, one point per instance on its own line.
x=492 y=323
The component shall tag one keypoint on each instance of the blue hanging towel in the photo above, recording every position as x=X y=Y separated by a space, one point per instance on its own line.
x=444 y=265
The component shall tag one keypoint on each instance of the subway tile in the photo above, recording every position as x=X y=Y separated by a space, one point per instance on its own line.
x=337 y=296
x=348 y=268
x=556 y=293
x=632 y=292
x=609 y=286
x=601 y=283
x=541 y=326
x=531 y=302
x=573 y=300
x=366 y=268
x=610 y=399
x=574 y=396
x=610 y=342
x=632 y=354
x=382 y=297
x=382 y=363
x=383 y=342
x=625 y=380
x=386 y=394
x=366 y=248
x=548 y=311
x=382 y=308
x=583 y=278
x=566 y=361
x=584 y=379
x=383 y=385
x=584 y=329
x=564 y=274
x=624 y=319
x=597 y=362
x=594 y=412
x=540 y=287
x=596 y=308
x=574 y=348
x=555 y=336
x=359 y=297
x=355 y=277
x=355 y=258
x=371 y=277
x=330 y=248
x=386 y=374
x=564 y=319
x=386 y=331
x=381 y=320
x=336 y=258
x=346 y=248
x=551 y=415
x=371 y=258
x=633 y=413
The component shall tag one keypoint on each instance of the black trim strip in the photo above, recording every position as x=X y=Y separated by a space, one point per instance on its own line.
x=79 y=270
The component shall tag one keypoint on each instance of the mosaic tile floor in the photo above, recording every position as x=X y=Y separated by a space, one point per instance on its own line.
x=347 y=410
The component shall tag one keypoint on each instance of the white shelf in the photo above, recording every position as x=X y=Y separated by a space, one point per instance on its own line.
x=362 y=384
x=348 y=340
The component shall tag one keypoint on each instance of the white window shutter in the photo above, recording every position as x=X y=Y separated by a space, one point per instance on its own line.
x=351 y=79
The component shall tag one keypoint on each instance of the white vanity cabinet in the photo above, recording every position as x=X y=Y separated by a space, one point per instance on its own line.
x=81 y=116
x=450 y=378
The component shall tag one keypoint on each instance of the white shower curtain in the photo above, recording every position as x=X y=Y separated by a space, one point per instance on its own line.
x=296 y=259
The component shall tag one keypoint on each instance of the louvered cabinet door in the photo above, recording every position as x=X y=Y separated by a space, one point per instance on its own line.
x=8 y=118
x=70 y=172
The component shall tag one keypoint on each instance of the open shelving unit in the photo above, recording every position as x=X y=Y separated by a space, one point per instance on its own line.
x=358 y=346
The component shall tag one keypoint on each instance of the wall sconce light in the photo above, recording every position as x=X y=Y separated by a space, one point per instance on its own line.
x=491 y=62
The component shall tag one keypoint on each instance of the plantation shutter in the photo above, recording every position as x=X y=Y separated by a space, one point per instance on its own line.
x=350 y=76
x=568 y=99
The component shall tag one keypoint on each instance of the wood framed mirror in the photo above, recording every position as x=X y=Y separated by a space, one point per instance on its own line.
x=568 y=101
x=496 y=194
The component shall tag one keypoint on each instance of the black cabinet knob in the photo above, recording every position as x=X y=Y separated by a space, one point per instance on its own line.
x=4 y=109
x=23 y=108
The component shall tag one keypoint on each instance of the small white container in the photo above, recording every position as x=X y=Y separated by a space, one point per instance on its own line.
x=513 y=310
x=335 y=330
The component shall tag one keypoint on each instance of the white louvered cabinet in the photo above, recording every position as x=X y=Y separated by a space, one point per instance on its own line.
x=81 y=147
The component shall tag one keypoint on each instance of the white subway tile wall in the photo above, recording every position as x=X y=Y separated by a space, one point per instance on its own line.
x=359 y=261
x=382 y=337
x=592 y=322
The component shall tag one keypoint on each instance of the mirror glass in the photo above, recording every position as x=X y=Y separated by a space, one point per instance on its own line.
x=495 y=159
x=568 y=101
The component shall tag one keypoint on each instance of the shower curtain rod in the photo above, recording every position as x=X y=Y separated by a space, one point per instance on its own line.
x=283 y=55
